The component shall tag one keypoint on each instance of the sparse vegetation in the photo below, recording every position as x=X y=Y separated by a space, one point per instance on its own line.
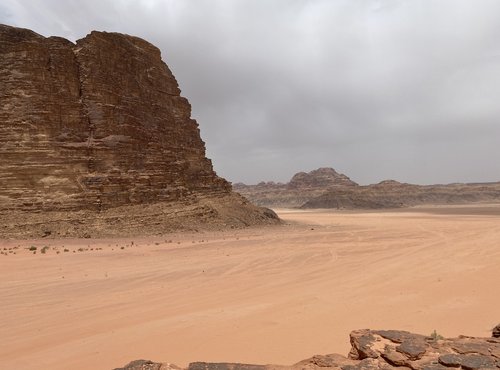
x=435 y=336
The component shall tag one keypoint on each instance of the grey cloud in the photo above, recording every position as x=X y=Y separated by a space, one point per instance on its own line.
x=377 y=89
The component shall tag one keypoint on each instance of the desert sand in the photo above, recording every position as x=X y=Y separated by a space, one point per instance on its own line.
x=269 y=295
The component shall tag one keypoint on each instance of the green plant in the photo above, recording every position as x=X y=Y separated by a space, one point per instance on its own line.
x=435 y=336
x=44 y=249
x=32 y=248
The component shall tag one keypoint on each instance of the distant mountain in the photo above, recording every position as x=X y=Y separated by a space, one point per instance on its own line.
x=302 y=187
x=392 y=194
x=321 y=178
x=326 y=188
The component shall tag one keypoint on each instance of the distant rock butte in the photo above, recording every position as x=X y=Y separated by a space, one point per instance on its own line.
x=325 y=188
x=320 y=178
x=302 y=187
x=96 y=125
x=378 y=349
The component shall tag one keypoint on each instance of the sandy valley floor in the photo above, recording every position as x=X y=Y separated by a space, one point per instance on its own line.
x=277 y=295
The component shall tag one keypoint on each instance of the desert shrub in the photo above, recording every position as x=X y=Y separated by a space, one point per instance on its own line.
x=435 y=336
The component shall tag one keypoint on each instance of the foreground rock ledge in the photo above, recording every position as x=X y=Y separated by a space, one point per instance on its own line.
x=380 y=349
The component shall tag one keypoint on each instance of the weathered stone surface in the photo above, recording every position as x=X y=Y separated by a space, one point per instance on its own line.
x=414 y=349
x=390 y=349
x=223 y=366
x=330 y=361
x=434 y=366
x=395 y=358
x=95 y=125
x=470 y=345
x=451 y=360
x=399 y=336
x=472 y=362
x=495 y=333
x=148 y=365
x=363 y=344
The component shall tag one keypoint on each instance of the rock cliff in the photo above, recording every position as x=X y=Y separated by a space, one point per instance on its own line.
x=379 y=349
x=95 y=125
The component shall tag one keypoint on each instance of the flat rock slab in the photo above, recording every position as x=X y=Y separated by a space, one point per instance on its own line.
x=414 y=349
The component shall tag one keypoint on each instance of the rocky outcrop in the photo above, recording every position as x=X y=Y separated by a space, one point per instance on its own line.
x=323 y=178
x=326 y=188
x=95 y=125
x=496 y=331
x=301 y=188
x=380 y=349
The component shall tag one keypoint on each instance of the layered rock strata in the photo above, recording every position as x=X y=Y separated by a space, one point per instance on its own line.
x=326 y=188
x=379 y=349
x=95 y=125
x=302 y=187
x=392 y=194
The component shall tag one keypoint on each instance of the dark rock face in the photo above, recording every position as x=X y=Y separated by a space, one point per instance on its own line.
x=387 y=349
x=496 y=331
x=99 y=125
x=94 y=125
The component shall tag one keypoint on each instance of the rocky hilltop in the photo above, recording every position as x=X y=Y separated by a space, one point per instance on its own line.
x=96 y=125
x=302 y=187
x=380 y=349
x=321 y=178
x=326 y=188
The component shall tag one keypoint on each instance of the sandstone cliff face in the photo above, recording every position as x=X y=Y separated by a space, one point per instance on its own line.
x=89 y=127
x=94 y=125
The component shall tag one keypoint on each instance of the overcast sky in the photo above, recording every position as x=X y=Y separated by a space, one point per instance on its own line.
x=400 y=89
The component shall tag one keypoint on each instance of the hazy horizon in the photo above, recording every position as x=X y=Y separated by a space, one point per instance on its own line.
x=377 y=90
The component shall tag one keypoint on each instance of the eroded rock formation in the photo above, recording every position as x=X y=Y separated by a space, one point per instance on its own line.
x=95 y=125
x=302 y=187
x=379 y=349
x=393 y=194
x=326 y=188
